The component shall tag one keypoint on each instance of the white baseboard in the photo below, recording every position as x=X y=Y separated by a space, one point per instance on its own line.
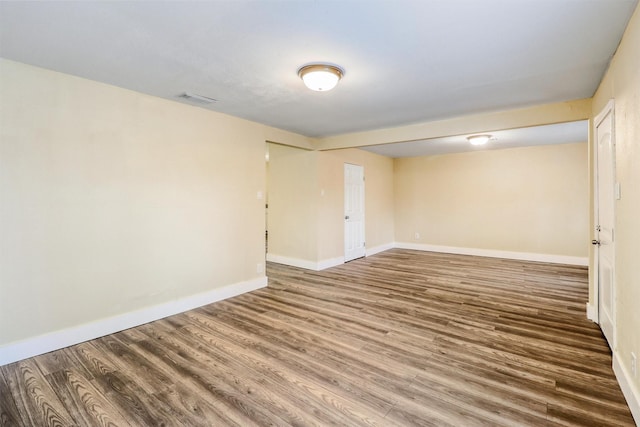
x=525 y=256
x=592 y=313
x=306 y=264
x=630 y=392
x=59 y=339
x=331 y=262
x=294 y=262
x=377 y=249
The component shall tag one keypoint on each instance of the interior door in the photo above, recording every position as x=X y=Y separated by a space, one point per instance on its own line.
x=354 y=243
x=605 y=233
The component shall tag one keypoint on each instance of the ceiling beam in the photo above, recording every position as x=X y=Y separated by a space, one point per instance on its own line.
x=560 y=112
x=283 y=137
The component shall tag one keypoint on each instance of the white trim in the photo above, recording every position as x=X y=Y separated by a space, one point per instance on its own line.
x=294 y=262
x=526 y=256
x=306 y=264
x=331 y=262
x=608 y=109
x=66 y=337
x=592 y=313
x=323 y=264
x=630 y=392
x=380 y=248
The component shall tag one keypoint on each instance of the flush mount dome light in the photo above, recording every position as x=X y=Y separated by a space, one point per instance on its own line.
x=320 y=77
x=478 y=139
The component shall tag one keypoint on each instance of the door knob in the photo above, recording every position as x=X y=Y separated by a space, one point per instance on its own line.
x=346 y=217
x=595 y=242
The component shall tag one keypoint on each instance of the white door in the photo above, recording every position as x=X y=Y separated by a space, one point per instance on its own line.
x=353 y=212
x=604 y=221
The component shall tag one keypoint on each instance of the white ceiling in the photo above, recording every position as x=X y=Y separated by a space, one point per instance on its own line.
x=561 y=133
x=406 y=61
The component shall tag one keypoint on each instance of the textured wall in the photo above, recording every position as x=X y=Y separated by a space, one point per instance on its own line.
x=531 y=200
x=112 y=201
x=622 y=83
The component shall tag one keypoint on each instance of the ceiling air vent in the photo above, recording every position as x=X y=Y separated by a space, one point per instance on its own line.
x=198 y=99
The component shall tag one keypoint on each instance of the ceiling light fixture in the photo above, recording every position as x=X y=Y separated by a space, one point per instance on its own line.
x=478 y=139
x=320 y=77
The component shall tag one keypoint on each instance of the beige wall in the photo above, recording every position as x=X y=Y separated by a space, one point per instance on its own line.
x=292 y=202
x=378 y=199
x=531 y=200
x=306 y=202
x=112 y=201
x=622 y=83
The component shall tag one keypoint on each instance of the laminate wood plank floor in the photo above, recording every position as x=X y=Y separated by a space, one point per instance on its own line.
x=401 y=338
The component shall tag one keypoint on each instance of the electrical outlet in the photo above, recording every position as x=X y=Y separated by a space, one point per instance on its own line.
x=634 y=365
x=259 y=268
x=416 y=236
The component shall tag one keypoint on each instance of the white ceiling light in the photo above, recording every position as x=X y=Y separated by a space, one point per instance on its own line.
x=478 y=139
x=320 y=77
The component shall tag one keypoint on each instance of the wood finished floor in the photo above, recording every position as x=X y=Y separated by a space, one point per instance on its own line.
x=400 y=338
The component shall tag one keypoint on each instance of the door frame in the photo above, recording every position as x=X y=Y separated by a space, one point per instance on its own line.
x=609 y=109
